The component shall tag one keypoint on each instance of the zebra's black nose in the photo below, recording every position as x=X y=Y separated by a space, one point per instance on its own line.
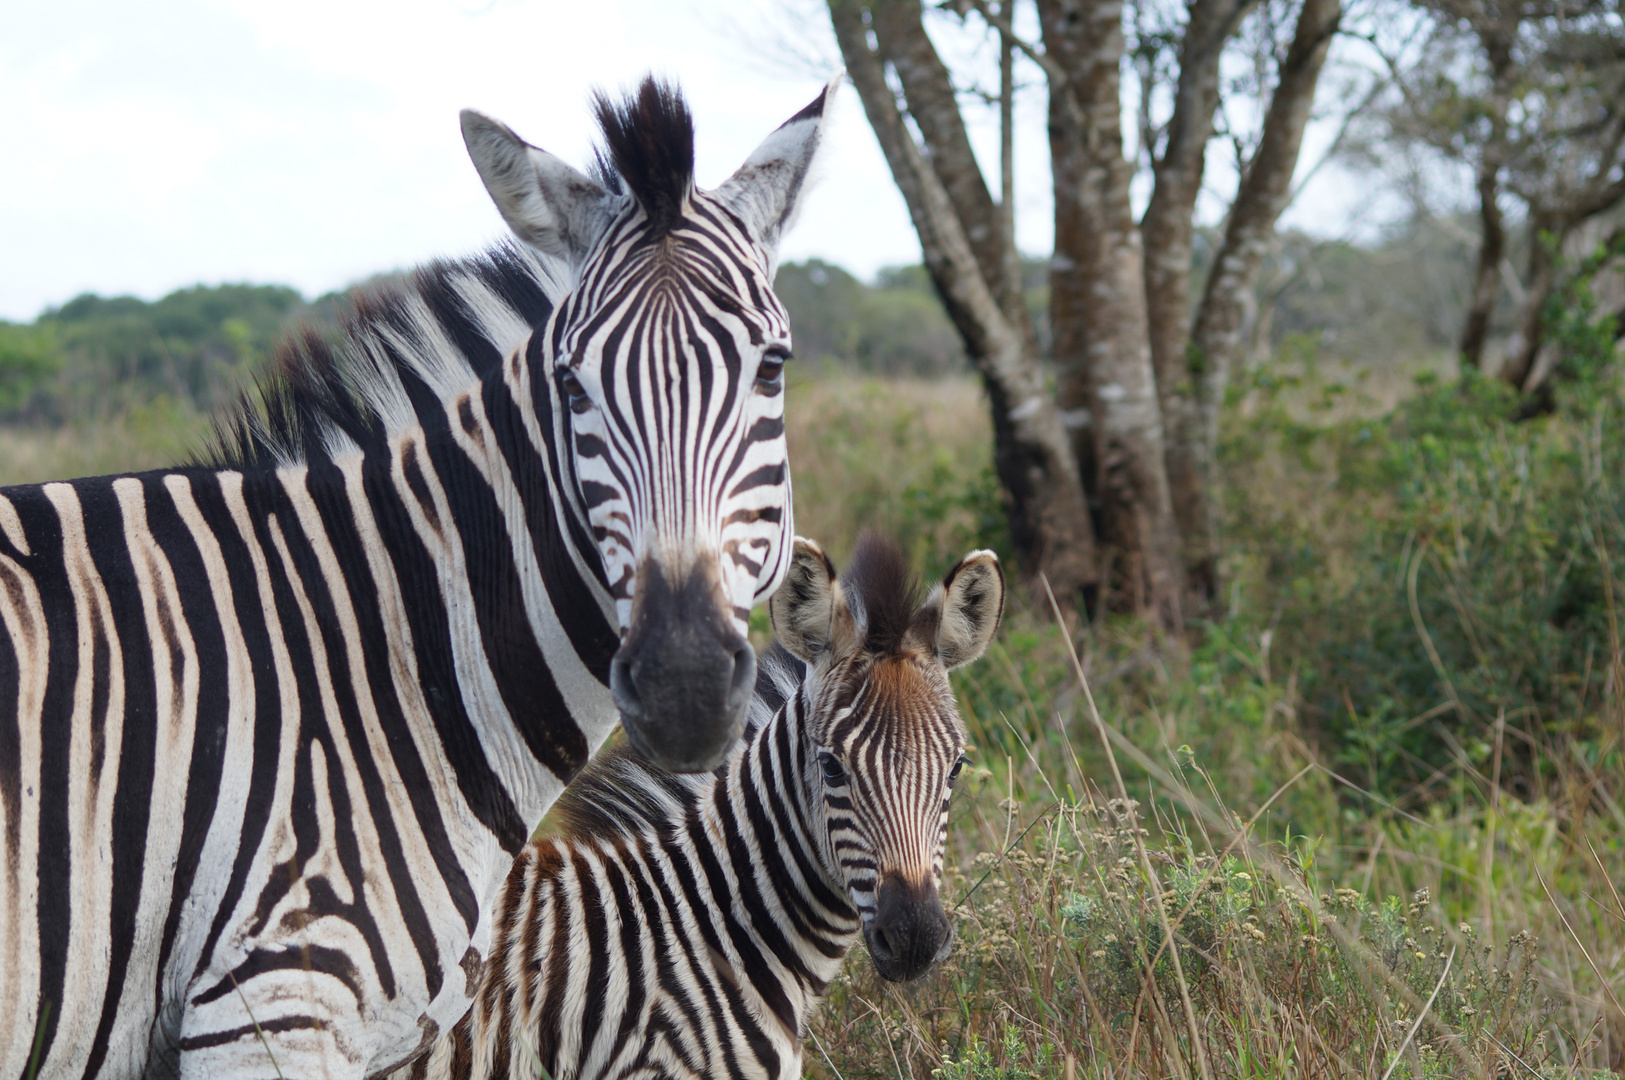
x=684 y=676
x=910 y=932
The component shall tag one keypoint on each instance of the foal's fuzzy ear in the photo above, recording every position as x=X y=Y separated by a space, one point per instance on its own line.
x=550 y=206
x=962 y=614
x=803 y=608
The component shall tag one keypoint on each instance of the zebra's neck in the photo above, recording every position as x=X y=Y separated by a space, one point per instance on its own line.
x=486 y=580
x=768 y=797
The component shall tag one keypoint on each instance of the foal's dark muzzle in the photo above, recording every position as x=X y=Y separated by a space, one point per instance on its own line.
x=910 y=932
x=683 y=677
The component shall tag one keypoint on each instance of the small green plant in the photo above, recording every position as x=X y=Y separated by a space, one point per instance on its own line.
x=978 y=1061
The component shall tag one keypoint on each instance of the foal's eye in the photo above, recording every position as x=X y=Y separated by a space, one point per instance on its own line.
x=953 y=774
x=770 y=373
x=832 y=769
x=575 y=395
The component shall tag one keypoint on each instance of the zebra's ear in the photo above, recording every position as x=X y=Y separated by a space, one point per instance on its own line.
x=766 y=191
x=962 y=614
x=550 y=206
x=803 y=608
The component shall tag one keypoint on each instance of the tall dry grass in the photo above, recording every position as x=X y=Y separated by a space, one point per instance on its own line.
x=1174 y=933
x=1241 y=903
x=146 y=436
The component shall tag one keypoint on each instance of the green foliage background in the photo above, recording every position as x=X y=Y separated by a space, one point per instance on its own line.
x=1414 y=682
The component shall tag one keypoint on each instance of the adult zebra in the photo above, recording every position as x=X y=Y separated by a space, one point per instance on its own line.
x=276 y=724
x=687 y=926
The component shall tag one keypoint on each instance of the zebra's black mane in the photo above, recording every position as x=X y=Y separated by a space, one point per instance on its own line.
x=401 y=348
x=881 y=582
x=394 y=356
x=648 y=144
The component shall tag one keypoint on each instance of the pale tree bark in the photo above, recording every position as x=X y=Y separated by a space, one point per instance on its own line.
x=1168 y=229
x=1549 y=233
x=1550 y=227
x=1097 y=305
x=1007 y=167
x=1475 y=328
x=930 y=100
x=962 y=242
x=1219 y=336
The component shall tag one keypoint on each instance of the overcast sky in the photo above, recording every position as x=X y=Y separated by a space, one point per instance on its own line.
x=149 y=146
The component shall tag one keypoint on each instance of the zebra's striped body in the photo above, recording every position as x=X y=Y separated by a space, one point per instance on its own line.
x=686 y=926
x=273 y=728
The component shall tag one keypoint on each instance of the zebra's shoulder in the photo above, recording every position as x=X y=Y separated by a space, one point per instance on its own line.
x=399 y=348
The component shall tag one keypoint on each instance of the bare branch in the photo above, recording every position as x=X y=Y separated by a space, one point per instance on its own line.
x=1378 y=85
x=1054 y=71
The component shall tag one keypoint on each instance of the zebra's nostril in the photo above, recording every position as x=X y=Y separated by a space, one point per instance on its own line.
x=624 y=690
x=879 y=947
x=743 y=682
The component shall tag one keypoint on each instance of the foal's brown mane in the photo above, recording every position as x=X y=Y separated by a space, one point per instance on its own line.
x=882 y=586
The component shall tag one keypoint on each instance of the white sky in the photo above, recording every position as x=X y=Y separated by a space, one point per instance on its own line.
x=314 y=142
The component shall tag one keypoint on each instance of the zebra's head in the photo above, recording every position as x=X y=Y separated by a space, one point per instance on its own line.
x=885 y=739
x=665 y=361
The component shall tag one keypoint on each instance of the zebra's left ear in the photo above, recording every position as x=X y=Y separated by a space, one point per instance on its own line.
x=766 y=191
x=803 y=608
x=962 y=614
x=550 y=206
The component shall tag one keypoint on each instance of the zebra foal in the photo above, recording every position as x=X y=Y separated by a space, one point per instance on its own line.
x=274 y=726
x=687 y=926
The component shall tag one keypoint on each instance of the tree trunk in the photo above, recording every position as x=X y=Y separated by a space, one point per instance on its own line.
x=1475 y=327
x=1097 y=304
x=1049 y=521
x=929 y=91
x=1547 y=231
x=1220 y=332
x=1167 y=231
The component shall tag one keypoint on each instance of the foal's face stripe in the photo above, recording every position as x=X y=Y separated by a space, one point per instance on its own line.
x=893 y=727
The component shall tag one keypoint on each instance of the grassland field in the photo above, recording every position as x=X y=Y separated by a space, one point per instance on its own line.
x=1368 y=820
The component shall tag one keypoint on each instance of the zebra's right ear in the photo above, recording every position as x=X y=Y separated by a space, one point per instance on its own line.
x=550 y=206
x=766 y=190
x=803 y=608
x=962 y=614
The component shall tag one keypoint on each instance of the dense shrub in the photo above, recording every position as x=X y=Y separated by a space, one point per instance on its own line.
x=1435 y=572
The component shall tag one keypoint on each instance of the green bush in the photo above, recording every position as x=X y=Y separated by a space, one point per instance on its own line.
x=1456 y=569
x=28 y=355
x=894 y=327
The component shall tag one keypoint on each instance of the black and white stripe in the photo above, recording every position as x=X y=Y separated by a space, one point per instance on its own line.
x=274 y=725
x=687 y=926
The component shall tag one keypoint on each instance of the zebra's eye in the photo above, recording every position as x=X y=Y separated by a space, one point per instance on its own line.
x=770 y=373
x=575 y=395
x=833 y=772
x=953 y=774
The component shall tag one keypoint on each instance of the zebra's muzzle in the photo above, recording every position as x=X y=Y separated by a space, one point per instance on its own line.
x=684 y=675
x=910 y=932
